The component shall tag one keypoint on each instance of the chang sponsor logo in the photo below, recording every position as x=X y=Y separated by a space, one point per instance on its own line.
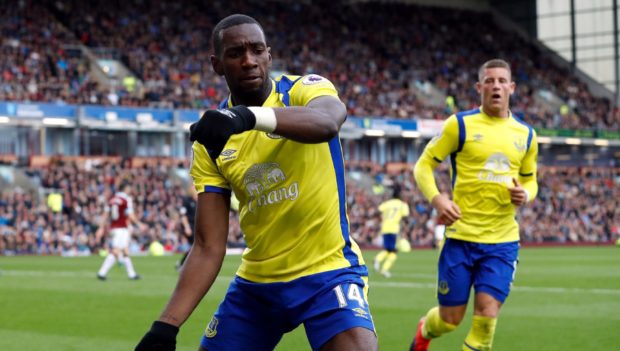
x=264 y=184
x=496 y=164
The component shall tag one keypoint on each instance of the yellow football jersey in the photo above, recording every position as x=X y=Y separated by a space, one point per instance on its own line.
x=485 y=154
x=392 y=211
x=292 y=202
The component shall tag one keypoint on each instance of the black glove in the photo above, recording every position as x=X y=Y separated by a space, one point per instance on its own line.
x=216 y=126
x=161 y=337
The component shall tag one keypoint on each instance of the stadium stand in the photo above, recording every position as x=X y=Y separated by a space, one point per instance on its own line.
x=408 y=64
x=412 y=63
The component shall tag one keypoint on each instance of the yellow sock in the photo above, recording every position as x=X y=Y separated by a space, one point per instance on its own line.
x=434 y=326
x=381 y=256
x=480 y=337
x=389 y=261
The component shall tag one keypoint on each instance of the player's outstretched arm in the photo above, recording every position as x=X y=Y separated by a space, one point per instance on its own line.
x=319 y=121
x=198 y=274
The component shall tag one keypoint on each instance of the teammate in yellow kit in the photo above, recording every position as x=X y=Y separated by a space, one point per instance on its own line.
x=392 y=212
x=493 y=168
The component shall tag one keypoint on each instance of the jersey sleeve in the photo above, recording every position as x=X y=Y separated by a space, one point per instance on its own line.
x=527 y=173
x=310 y=87
x=205 y=173
x=441 y=146
x=437 y=150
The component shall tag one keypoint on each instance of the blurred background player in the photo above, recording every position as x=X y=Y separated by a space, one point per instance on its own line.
x=275 y=144
x=489 y=149
x=188 y=218
x=117 y=215
x=438 y=229
x=392 y=211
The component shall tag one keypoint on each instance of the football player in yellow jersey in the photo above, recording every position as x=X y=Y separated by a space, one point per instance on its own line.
x=275 y=144
x=493 y=169
x=392 y=211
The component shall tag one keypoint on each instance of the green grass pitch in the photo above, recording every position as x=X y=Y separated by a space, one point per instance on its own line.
x=563 y=299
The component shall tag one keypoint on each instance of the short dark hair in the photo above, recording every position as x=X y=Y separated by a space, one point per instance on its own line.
x=396 y=192
x=494 y=63
x=123 y=184
x=230 y=21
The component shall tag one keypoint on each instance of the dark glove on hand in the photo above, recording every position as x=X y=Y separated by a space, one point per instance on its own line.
x=161 y=337
x=216 y=126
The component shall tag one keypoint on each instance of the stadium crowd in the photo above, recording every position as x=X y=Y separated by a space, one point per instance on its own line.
x=64 y=220
x=568 y=208
x=402 y=53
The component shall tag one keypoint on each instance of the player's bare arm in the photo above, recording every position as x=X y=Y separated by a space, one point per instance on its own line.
x=102 y=227
x=198 y=274
x=134 y=219
x=204 y=260
x=317 y=122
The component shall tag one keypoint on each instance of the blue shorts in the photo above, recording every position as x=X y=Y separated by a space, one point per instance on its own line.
x=389 y=242
x=254 y=316
x=490 y=268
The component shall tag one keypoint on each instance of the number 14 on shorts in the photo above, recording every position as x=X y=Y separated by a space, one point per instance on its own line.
x=353 y=294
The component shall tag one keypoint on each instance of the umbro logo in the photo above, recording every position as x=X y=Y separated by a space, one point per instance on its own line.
x=477 y=137
x=228 y=154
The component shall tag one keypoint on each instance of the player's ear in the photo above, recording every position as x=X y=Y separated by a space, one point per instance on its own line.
x=269 y=54
x=513 y=86
x=478 y=87
x=216 y=63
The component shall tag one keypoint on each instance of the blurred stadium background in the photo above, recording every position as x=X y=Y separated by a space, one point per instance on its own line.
x=92 y=93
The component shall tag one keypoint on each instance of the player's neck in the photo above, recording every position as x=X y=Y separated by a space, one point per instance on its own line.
x=497 y=113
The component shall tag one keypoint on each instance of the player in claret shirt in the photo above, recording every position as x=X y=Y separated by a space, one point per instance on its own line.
x=117 y=218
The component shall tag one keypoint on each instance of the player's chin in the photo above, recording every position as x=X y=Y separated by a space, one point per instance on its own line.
x=251 y=85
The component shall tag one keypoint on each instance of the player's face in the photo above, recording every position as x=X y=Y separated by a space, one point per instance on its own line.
x=495 y=88
x=245 y=60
